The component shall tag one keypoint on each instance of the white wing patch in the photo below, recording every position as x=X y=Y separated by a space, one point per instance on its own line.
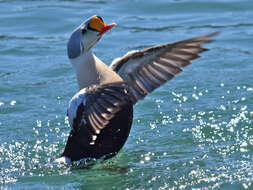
x=74 y=103
x=114 y=61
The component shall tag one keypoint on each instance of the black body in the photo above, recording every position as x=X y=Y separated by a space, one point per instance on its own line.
x=108 y=142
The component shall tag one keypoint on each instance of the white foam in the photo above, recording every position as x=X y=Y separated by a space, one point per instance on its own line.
x=63 y=160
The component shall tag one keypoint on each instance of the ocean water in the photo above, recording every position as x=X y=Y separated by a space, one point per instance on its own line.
x=195 y=132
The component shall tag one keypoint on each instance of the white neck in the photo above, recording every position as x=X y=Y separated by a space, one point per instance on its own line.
x=85 y=69
x=91 y=70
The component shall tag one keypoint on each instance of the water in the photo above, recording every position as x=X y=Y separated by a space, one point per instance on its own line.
x=195 y=132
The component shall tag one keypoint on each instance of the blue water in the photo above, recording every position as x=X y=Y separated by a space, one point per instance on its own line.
x=195 y=132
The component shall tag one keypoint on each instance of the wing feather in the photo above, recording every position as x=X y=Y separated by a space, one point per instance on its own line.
x=146 y=70
x=97 y=105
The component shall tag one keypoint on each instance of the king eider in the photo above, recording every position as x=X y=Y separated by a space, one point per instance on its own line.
x=101 y=113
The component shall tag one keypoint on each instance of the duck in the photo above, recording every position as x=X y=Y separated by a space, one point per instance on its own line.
x=100 y=114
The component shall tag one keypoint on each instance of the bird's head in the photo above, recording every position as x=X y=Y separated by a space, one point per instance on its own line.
x=84 y=37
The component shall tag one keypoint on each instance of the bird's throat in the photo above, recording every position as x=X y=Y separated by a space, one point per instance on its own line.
x=85 y=69
x=91 y=70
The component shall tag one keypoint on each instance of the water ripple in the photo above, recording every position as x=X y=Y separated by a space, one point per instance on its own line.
x=194 y=132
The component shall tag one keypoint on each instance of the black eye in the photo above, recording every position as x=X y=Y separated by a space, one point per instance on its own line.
x=83 y=30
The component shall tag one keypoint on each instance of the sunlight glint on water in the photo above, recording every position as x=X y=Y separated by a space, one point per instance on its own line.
x=193 y=133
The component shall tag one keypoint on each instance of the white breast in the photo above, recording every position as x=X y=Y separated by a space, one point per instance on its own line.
x=78 y=99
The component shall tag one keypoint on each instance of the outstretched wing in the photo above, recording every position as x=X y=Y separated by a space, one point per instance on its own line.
x=148 y=69
x=95 y=106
